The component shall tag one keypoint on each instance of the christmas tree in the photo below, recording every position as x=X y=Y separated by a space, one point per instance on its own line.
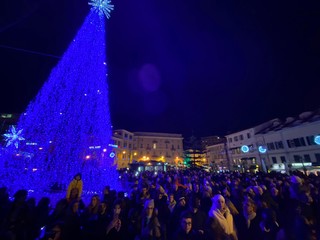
x=66 y=129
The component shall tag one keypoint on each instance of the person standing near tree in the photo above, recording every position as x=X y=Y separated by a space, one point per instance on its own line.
x=75 y=188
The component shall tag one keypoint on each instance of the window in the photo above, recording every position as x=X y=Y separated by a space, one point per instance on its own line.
x=178 y=146
x=280 y=145
x=154 y=146
x=125 y=145
x=317 y=155
x=302 y=141
x=283 y=159
x=241 y=137
x=141 y=145
x=248 y=135
x=235 y=138
x=270 y=146
x=297 y=158
x=129 y=145
x=310 y=140
x=297 y=142
x=130 y=137
x=291 y=143
x=125 y=135
x=230 y=140
x=306 y=158
x=274 y=159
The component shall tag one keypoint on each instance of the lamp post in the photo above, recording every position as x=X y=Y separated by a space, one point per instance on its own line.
x=262 y=150
x=303 y=166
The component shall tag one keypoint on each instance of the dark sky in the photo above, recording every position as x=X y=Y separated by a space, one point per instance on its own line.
x=183 y=66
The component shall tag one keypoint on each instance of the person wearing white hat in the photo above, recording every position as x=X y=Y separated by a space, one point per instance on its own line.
x=220 y=223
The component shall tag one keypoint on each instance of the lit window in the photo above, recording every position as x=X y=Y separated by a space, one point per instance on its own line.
x=154 y=146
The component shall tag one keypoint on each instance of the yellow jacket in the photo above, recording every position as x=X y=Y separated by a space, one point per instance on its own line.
x=78 y=184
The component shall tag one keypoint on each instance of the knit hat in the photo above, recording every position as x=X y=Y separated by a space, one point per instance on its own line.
x=182 y=198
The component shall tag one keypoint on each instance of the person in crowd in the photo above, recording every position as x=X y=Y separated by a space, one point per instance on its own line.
x=175 y=215
x=163 y=210
x=56 y=233
x=248 y=223
x=106 y=195
x=90 y=218
x=144 y=194
x=102 y=221
x=72 y=227
x=5 y=204
x=185 y=230
x=114 y=226
x=199 y=217
x=150 y=226
x=16 y=222
x=227 y=196
x=171 y=202
x=268 y=224
x=295 y=196
x=74 y=191
x=41 y=214
x=220 y=223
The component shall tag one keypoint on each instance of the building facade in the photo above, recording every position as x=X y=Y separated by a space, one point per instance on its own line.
x=217 y=156
x=164 y=147
x=292 y=144
x=242 y=150
x=122 y=144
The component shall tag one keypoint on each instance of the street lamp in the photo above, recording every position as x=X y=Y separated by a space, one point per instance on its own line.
x=262 y=150
x=245 y=149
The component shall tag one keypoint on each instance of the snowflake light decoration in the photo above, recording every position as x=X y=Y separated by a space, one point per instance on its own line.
x=102 y=7
x=13 y=137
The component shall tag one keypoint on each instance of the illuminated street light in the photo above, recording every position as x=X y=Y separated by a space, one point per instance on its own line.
x=245 y=149
x=262 y=149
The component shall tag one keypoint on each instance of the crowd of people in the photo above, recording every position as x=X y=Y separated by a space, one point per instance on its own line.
x=179 y=205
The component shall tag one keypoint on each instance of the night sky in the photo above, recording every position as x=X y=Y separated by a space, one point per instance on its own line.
x=199 y=67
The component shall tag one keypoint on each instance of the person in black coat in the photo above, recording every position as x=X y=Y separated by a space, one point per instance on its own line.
x=247 y=223
x=185 y=231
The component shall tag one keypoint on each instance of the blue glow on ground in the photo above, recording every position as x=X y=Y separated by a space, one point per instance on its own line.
x=69 y=114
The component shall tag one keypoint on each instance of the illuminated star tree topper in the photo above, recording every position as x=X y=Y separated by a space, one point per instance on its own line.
x=102 y=7
x=13 y=137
